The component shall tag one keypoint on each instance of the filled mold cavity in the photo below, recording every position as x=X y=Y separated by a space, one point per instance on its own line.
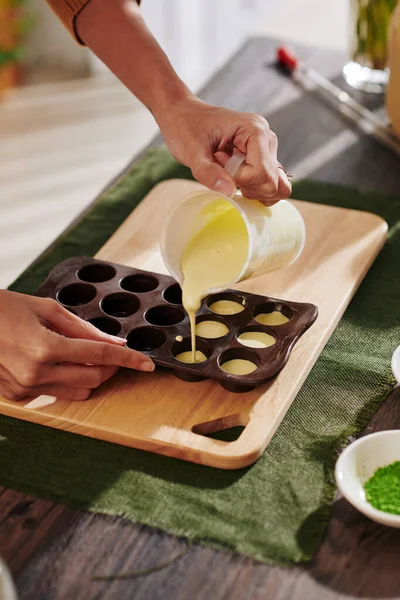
x=164 y=315
x=211 y=328
x=227 y=304
x=146 y=339
x=140 y=283
x=182 y=351
x=255 y=337
x=97 y=273
x=120 y=305
x=107 y=325
x=173 y=294
x=76 y=294
x=239 y=362
x=272 y=314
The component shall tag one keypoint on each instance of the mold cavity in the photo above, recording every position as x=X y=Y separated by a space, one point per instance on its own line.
x=272 y=314
x=139 y=283
x=173 y=294
x=164 y=315
x=146 y=339
x=76 y=294
x=226 y=304
x=255 y=337
x=239 y=361
x=120 y=305
x=97 y=273
x=211 y=328
x=110 y=326
x=182 y=351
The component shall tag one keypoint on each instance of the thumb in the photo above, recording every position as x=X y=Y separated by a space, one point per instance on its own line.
x=214 y=176
x=60 y=320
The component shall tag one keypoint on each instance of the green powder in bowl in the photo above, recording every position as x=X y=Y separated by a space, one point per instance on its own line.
x=382 y=490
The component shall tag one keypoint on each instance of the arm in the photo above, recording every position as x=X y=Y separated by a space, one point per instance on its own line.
x=199 y=135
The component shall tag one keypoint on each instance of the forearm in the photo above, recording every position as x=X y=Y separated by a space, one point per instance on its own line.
x=117 y=34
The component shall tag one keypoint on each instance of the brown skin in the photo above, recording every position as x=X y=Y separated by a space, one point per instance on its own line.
x=211 y=134
x=37 y=336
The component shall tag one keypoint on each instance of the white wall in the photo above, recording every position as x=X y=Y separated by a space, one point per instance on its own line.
x=200 y=35
x=319 y=23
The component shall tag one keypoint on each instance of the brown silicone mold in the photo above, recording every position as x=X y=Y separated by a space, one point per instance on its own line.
x=146 y=309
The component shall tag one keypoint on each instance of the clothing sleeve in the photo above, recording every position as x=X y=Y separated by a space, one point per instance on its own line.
x=67 y=11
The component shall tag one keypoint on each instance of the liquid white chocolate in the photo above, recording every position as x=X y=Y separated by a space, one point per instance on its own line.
x=213 y=258
x=187 y=357
x=239 y=366
x=211 y=329
x=226 y=307
x=256 y=339
x=273 y=318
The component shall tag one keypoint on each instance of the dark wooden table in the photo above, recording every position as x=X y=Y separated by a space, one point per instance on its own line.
x=53 y=551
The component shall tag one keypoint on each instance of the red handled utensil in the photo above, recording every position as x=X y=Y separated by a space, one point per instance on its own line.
x=364 y=118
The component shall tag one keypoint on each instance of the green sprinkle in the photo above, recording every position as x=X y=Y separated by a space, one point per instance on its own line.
x=383 y=489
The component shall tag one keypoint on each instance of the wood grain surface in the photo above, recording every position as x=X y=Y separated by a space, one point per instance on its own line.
x=160 y=413
x=54 y=551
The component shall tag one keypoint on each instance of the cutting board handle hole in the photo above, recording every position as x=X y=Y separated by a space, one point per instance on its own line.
x=225 y=429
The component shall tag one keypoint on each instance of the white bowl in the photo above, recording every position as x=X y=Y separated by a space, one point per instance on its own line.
x=396 y=364
x=358 y=462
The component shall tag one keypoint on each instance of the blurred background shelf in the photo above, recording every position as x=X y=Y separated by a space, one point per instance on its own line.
x=199 y=36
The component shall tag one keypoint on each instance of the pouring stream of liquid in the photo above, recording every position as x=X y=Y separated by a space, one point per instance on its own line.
x=213 y=258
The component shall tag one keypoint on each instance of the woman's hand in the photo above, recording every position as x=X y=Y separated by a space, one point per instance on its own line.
x=44 y=349
x=203 y=137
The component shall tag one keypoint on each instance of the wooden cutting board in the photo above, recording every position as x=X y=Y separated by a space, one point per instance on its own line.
x=160 y=413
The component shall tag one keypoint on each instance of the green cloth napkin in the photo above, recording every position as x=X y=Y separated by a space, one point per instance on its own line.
x=276 y=510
